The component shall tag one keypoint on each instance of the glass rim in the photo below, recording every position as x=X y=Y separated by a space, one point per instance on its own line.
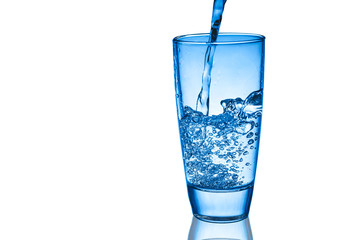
x=189 y=38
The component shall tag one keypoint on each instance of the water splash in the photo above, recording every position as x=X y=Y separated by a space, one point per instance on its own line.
x=216 y=149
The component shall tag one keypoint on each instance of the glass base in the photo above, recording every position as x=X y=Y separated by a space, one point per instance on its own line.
x=220 y=205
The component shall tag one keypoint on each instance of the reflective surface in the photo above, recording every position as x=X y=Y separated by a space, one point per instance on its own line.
x=201 y=230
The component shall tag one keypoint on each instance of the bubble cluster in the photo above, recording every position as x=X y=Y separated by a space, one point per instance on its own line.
x=219 y=151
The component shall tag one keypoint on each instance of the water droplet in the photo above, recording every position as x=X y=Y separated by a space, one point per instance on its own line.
x=228 y=105
x=245 y=153
x=232 y=106
x=247 y=164
x=254 y=99
x=251 y=141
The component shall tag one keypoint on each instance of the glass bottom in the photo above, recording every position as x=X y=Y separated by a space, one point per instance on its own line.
x=220 y=205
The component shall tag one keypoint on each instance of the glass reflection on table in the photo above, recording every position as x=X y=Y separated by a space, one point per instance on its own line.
x=201 y=230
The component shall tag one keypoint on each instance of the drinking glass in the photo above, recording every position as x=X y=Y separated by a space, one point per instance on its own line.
x=219 y=96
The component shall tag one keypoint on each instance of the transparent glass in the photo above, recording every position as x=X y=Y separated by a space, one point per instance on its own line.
x=219 y=96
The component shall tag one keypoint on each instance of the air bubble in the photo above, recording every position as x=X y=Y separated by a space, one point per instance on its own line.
x=250 y=135
x=244 y=127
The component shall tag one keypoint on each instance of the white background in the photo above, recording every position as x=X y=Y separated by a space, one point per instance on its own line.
x=89 y=145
